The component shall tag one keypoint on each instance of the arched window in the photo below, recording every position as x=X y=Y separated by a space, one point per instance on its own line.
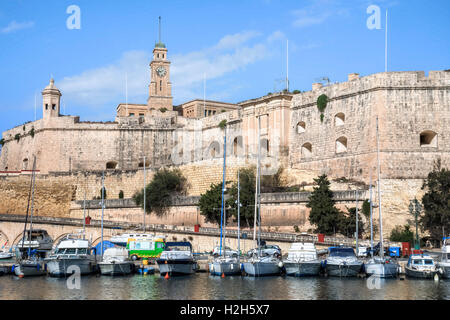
x=111 y=165
x=214 y=149
x=339 y=119
x=301 y=127
x=25 y=164
x=428 y=138
x=237 y=146
x=307 y=150
x=341 y=145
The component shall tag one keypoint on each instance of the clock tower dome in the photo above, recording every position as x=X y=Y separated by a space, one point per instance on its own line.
x=160 y=88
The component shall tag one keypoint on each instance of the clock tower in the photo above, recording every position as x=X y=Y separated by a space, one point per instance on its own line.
x=160 y=88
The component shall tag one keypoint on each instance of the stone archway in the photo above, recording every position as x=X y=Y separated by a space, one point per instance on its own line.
x=4 y=240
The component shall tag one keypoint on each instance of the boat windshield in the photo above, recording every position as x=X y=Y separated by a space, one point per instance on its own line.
x=60 y=251
x=342 y=252
x=428 y=262
x=82 y=251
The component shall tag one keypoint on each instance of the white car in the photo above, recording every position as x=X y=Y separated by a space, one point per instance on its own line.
x=228 y=251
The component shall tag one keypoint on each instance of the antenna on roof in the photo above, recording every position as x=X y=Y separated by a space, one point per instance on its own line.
x=323 y=79
x=159 y=27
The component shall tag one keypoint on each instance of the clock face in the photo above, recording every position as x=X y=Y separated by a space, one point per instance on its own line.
x=161 y=71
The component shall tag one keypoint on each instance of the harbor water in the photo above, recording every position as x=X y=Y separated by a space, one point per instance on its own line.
x=203 y=286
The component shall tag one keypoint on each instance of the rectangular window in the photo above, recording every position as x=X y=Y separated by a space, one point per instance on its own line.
x=54 y=108
x=132 y=115
x=46 y=108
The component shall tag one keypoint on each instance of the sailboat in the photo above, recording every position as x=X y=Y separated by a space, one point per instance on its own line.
x=260 y=264
x=225 y=264
x=379 y=266
x=29 y=260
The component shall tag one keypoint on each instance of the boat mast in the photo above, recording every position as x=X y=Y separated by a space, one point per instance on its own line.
x=222 y=209
x=32 y=201
x=28 y=205
x=259 y=186
x=103 y=207
x=357 y=222
x=379 y=195
x=256 y=184
x=371 y=216
x=238 y=219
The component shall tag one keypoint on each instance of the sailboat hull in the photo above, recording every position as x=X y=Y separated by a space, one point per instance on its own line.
x=30 y=269
x=259 y=269
x=421 y=274
x=382 y=270
x=227 y=268
x=445 y=273
x=302 y=269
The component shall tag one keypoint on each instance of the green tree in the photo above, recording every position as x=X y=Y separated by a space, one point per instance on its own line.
x=324 y=215
x=402 y=234
x=121 y=194
x=158 y=193
x=436 y=202
x=246 y=196
x=210 y=204
x=347 y=223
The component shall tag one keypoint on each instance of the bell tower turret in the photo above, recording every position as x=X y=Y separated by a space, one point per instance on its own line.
x=51 y=97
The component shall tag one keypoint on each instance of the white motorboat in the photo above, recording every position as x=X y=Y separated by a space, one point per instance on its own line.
x=36 y=239
x=302 y=260
x=72 y=254
x=421 y=266
x=227 y=265
x=115 y=262
x=444 y=262
x=342 y=262
x=4 y=255
x=177 y=259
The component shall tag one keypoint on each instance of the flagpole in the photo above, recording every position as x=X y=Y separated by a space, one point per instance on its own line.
x=126 y=93
x=386 y=45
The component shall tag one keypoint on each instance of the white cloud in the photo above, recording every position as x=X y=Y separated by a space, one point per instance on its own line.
x=317 y=13
x=15 y=26
x=107 y=84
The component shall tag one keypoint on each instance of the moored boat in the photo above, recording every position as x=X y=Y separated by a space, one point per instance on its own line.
x=302 y=260
x=30 y=267
x=381 y=267
x=72 y=253
x=342 y=262
x=115 y=262
x=421 y=266
x=263 y=266
x=177 y=259
x=444 y=262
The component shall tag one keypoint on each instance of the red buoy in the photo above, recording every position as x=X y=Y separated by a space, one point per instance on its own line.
x=166 y=276
x=223 y=274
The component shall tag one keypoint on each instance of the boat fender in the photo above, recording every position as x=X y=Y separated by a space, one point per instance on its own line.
x=45 y=267
x=280 y=264
x=13 y=267
x=436 y=277
x=38 y=266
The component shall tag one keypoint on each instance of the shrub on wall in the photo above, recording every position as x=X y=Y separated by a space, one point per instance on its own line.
x=163 y=110
x=121 y=194
x=322 y=101
x=223 y=124
x=2 y=142
x=32 y=132
x=17 y=137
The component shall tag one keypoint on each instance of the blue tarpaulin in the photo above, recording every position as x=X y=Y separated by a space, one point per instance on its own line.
x=106 y=245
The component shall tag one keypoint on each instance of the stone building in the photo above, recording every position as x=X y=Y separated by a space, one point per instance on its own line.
x=413 y=112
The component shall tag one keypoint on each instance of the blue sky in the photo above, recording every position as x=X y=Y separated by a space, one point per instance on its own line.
x=239 y=45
